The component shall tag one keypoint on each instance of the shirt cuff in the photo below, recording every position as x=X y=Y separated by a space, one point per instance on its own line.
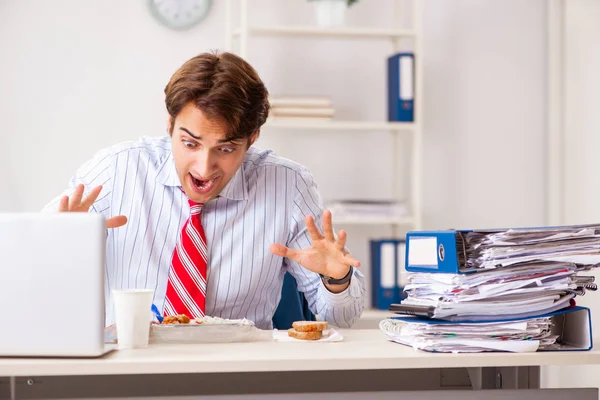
x=353 y=291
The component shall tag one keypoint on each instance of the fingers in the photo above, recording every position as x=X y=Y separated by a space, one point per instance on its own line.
x=75 y=199
x=313 y=231
x=282 y=251
x=328 y=226
x=91 y=197
x=348 y=259
x=75 y=202
x=340 y=242
x=116 y=222
x=63 y=206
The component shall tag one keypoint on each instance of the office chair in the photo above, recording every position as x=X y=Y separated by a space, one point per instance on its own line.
x=292 y=306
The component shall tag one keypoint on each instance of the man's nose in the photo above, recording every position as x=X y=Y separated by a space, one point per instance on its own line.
x=204 y=165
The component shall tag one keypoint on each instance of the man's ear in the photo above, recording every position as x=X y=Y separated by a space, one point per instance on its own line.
x=170 y=125
x=253 y=138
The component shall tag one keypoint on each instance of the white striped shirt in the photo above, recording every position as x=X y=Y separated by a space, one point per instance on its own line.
x=265 y=202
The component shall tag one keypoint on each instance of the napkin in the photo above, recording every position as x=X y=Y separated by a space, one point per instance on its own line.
x=329 y=335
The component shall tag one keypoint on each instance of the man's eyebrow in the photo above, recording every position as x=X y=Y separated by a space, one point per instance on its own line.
x=191 y=134
x=198 y=137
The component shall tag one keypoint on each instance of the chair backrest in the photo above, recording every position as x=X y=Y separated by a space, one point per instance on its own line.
x=292 y=306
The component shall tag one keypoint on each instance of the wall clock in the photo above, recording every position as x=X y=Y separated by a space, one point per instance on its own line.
x=179 y=14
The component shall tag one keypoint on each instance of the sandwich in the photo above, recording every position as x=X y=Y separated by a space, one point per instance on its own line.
x=307 y=330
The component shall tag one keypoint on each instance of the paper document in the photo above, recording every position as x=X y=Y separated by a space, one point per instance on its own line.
x=513 y=336
x=510 y=292
x=499 y=248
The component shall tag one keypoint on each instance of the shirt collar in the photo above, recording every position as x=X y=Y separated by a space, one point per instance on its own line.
x=236 y=188
x=167 y=173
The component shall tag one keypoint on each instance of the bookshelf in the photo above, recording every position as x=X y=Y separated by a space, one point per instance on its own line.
x=236 y=40
x=240 y=32
x=335 y=125
x=362 y=33
x=359 y=220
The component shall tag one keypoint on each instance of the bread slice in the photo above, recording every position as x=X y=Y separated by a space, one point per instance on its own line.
x=315 y=335
x=310 y=326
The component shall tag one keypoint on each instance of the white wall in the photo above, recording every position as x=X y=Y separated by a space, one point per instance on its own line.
x=484 y=113
x=582 y=141
x=77 y=76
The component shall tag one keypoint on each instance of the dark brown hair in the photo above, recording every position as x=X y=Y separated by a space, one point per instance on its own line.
x=223 y=86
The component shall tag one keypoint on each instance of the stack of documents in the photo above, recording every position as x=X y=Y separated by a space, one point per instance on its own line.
x=477 y=277
x=514 y=336
x=517 y=292
x=501 y=248
x=564 y=330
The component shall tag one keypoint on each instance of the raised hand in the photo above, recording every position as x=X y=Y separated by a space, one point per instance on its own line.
x=326 y=255
x=78 y=203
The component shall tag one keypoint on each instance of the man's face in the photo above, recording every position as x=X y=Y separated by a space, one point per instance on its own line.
x=205 y=160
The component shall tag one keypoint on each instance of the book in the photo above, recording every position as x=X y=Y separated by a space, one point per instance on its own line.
x=300 y=101
x=326 y=112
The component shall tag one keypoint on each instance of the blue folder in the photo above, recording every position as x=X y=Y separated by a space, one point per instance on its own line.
x=435 y=251
x=572 y=325
x=401 y=91
x=386 y=270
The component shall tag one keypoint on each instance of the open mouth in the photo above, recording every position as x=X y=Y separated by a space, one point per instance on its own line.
x=203 y=186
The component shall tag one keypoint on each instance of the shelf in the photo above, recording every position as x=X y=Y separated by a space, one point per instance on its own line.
x=367 y=33
x=239 y=34
x=372 y=221
x=333 y=125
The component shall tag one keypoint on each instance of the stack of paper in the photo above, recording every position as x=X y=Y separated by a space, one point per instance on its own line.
x=514 y=336
x=516 y=276
x=501 y=248
x=516 y=292
x=301 y=107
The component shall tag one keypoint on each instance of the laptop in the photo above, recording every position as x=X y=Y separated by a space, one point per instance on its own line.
x=52 y=272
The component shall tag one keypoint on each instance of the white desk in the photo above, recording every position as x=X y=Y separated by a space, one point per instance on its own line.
x=365 y=360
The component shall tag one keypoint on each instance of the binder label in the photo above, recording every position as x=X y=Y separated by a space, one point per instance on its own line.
x=388 y=266
x=423 y=251
x=401 y=273
x=406 y=78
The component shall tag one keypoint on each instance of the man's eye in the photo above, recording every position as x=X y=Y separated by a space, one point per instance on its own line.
x=227 y=150
x=188 y=144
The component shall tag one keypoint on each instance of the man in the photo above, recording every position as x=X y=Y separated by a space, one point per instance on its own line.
x=209 y=222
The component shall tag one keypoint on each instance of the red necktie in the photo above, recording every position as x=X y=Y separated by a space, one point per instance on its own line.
x=186 y=290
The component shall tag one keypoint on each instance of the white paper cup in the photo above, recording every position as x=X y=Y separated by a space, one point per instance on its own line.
x=133 y=315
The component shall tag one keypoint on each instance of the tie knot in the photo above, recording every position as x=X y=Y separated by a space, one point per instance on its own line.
x=195 y=208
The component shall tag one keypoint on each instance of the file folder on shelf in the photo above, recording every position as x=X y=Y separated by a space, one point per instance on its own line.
x=401 y=81
x=387 y=261
x=573 y=326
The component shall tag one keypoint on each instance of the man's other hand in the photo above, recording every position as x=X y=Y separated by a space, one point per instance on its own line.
x=78 y=203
